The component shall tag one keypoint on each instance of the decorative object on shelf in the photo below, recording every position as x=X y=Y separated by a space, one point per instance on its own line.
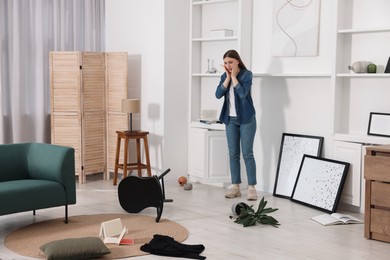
x=371 y=68
x=182 y=180
x=131 y=106
x=320 y=183
x=221 y=33
x=359 y=66
x=387 y=70
x=295 y=28
x=210 y=67
x=209 y=114
x=249 y=217
x=380 y=69
x=379 y=124
x=292 y=149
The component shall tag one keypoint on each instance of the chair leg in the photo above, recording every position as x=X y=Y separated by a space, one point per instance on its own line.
x=159 y=210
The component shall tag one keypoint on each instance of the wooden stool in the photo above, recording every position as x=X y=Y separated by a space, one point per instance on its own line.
x=125 y=166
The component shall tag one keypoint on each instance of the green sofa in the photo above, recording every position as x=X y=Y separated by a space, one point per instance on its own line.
x=36 y=176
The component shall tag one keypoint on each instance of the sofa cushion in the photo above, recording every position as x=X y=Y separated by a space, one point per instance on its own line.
x=23 y=195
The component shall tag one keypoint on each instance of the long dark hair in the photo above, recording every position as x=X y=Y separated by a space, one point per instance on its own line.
x=234 y=55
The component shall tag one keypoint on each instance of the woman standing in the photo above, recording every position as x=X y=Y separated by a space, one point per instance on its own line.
x=238 y=114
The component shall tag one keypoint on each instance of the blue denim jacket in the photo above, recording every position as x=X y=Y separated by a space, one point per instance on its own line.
x=243 y=99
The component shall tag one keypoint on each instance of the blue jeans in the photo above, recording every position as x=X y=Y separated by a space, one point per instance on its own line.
x=245 y=133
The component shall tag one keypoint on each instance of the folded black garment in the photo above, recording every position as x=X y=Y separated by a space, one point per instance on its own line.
x=167 y=246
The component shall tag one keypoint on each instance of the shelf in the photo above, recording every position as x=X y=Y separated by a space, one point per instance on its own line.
x=213 y=2
x=216 y=39
x=364 y=30
x=293 y=75
x=219 y=127
x=363 y=75
x=361 y=138
x=206 y=75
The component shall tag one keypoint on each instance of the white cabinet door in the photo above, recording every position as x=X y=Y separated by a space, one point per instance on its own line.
x=217 y=156
x=351 y=153
x=208 y=156
x=196 y=153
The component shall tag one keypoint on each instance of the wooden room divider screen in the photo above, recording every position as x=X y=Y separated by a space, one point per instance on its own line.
x=86 y=93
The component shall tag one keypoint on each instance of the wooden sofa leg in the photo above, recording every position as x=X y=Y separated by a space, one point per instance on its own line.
x=34 y=212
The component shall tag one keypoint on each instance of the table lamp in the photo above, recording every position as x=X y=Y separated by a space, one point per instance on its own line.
x=130 y=106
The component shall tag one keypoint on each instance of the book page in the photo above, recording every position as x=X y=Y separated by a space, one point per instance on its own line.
x=346 y=218
x=111 y=228
x=115 y=239
x=326 y=219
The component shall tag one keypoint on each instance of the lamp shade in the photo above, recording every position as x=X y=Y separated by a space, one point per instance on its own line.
x=131 y=105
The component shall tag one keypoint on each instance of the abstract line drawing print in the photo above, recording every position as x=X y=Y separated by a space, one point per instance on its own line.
x=295 y=28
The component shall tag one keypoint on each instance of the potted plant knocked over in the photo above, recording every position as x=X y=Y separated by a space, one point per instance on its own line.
x=247 y=216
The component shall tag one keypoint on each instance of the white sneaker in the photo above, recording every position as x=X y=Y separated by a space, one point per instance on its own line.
x=252 y=193
x=233 y=192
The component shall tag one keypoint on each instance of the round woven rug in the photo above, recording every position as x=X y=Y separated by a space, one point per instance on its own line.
x=27 y=240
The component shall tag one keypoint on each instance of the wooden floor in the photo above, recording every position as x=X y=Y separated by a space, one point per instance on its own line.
x=205 y=213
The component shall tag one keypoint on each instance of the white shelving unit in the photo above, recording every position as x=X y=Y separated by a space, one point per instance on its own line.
x=206 y=16
x=362 y=34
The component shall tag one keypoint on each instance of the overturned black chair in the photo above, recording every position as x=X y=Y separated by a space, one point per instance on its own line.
x=137 y=193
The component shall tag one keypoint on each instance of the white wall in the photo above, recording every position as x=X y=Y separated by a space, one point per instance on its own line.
x=176 y=86
x=262 y=60
x=289 y=104
x=154 y=33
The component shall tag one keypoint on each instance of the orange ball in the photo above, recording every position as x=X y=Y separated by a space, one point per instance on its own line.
x=182 y=180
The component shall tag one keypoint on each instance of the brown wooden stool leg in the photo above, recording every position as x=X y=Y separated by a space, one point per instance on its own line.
x=126 y=157
x=118 y=147
x=139 y=157
x=146 y=144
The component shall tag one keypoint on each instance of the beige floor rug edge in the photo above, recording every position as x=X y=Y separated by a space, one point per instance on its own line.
x=27 y=240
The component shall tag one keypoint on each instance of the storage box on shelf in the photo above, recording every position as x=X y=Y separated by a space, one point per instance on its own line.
x=377 y=178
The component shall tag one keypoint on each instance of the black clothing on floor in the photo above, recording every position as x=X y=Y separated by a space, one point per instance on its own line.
x=167 y=246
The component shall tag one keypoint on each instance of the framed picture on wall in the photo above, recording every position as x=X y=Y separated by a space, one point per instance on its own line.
x=320 y=183
x=379 y=124
x=292 y=149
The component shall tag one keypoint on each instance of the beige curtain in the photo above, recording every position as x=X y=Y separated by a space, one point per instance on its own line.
x=29 y=29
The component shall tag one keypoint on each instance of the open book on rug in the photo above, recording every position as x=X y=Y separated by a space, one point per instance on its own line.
x=113 y=232
x=336 y=219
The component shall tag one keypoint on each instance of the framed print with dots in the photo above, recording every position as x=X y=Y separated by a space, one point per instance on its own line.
x=320 y=183
x=292 y=149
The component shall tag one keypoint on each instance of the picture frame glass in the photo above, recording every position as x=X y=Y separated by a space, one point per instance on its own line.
x=292 y=149
x=320 y=183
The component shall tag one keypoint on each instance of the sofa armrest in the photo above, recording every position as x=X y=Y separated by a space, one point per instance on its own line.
x=55 y=163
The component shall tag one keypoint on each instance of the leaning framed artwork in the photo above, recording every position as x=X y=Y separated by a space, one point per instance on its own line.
x=379 y=124
x=320 y=183
x=292 y=149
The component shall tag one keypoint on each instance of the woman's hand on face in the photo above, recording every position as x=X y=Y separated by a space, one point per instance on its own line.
x=235 y=70
x=228 y=74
